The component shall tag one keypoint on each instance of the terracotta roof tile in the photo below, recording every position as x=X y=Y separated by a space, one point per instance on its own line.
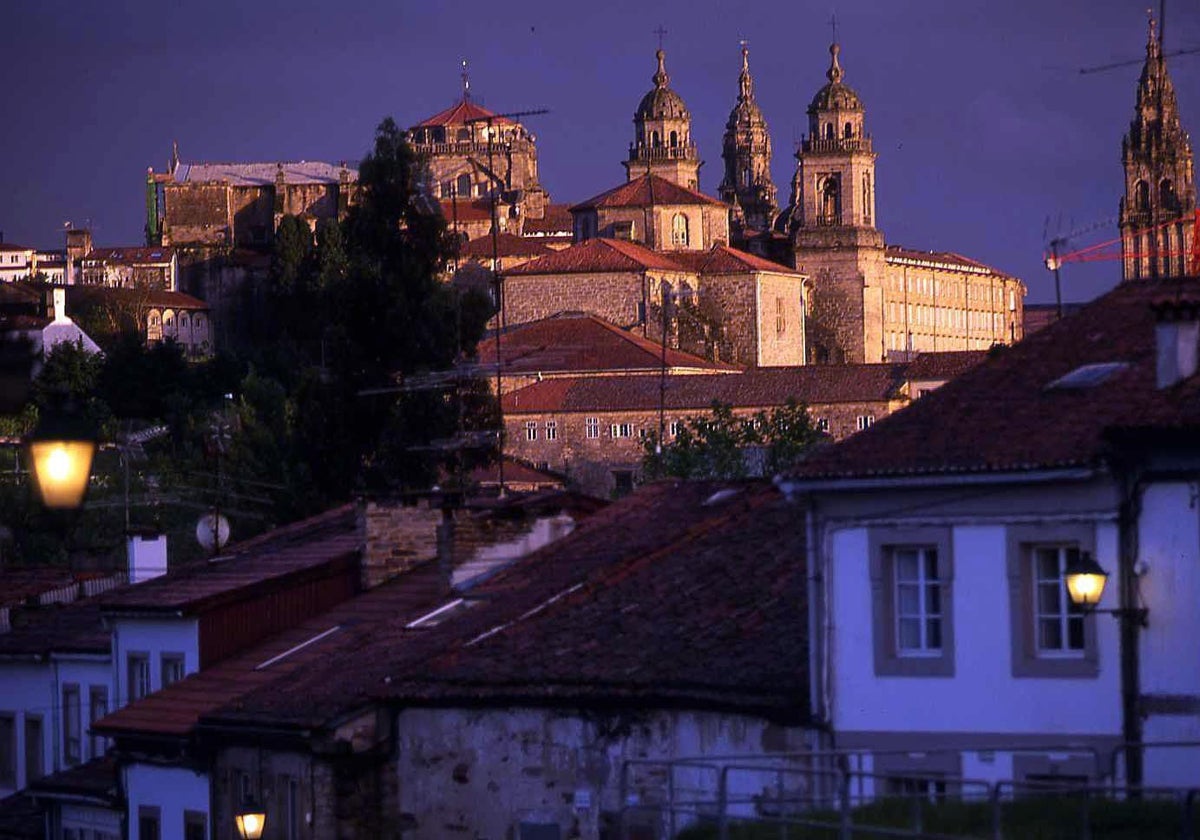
x=135 y=255
x=1002 y=416
x=579 y=343
x=598 y=255
x=754 y=388
x=898 y=253
x=944 y=365
x=474 y=210
x=85 y=296
x=507 y=245
x=644 y=191
x=556 y=220
x=461 y=113
x=721 y=259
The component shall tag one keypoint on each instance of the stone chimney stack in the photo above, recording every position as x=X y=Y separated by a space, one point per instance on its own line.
x=395 y=537
x=1177 y=340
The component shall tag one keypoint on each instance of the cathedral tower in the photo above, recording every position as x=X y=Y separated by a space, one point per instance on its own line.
x=832 y=225
x=662 y=135
x=747 y=153
x=1158 y=208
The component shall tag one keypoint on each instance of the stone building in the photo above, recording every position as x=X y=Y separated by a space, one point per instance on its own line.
x=1158 y=208
x=655 y=212
x=662 y=135
x=152 y=267
x=746 y=151
x=871 y=302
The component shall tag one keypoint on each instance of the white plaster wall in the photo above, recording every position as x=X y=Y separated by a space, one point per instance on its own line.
x=155 y=637
x=982 y=696
x=172 y=790
x=28 y=687
x=479 y=773
x=84 y=672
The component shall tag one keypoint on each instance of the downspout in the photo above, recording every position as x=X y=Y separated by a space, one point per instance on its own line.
x=817 y=631
x=1130 y=479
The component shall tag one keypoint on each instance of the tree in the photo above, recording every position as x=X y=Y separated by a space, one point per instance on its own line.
x=717 y=446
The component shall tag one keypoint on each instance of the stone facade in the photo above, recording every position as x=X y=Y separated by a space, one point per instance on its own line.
x=619 y=297
x=662 y=135
x=746 y=151
x=1157 y=210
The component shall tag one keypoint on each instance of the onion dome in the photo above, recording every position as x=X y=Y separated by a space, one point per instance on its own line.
x=661 y=102
x=835 y=96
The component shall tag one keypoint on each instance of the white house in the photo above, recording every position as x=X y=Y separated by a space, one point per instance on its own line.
x=943 y=640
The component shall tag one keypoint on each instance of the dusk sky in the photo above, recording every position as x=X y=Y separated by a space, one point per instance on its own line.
x=983 y=124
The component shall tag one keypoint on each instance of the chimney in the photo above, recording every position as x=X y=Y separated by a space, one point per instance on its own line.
x=147 y=553
x=1176 y=340
x=395 y=537
x=60 y=304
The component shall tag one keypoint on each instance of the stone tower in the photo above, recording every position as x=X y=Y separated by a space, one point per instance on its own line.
x=832 y=225
x=1158 y=208
x=662 y=135
x=746 y=150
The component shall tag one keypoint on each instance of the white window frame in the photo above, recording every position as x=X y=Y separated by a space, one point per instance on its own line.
x=1065 y=615
x=865 y=421
x=621 y=430
x=925 y=607
x=592 y=427
x=551 y=430
x=530 y=430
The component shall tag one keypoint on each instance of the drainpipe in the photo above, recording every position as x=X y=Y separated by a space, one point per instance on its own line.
x=1130 y=626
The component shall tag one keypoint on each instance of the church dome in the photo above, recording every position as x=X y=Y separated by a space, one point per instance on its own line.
x=835 y=96
x=661 y=102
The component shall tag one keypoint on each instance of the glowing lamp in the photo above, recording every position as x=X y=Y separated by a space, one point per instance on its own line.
x=250 y=825
x=61 y=451
x=1085 y=580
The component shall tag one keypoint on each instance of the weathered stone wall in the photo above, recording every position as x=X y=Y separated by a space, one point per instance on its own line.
x=196 y=213
x=483 y=773
x=781 y=340
x=395 y=538
x=253 y=210
x=614 y=296
x=317 y=200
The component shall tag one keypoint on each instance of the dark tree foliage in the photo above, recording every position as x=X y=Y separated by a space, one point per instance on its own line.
x=717 y=446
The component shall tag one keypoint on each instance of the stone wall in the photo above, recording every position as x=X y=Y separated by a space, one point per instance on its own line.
x=781 y=340
x=196 y=213
x=465 y=773
x=615 y=296
x=396 y=537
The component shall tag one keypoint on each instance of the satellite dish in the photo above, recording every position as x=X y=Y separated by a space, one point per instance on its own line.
x=212 y=531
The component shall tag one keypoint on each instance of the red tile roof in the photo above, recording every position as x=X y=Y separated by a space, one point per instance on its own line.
x=85 y=296
x=676 y=595
x=12 y=246
x=19 y=584
x=1002 y=416
x=153 y=255
x=598 y=255
x=579 y=343
x=944 y=365
x=474 y=210
x=646 y=190
x=461 y=113
x=897 y=253
x=310 y=547
x=754 y=388
x=556 y=220
x=96 y=781
x=507 y=245
x=721 y=259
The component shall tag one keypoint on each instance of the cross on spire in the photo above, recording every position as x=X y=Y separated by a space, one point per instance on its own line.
x=833 y=25
x=660 y=32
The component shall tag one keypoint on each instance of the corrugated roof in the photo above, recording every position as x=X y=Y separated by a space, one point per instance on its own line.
x=753 y=388
x=578 y=343
x=264 y=174
x=644 y=191
x=598 y=255
x=1000 y=416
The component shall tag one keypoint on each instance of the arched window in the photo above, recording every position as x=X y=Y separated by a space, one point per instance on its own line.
x=848 y=132
x=1141 y=199
x=153 y=326
x=866 y=198
x=679 y=230
x=1166 y=195
x=831 y=202
x=463 y=186
x=828 y=131
x=674 y=139
x=655 y=140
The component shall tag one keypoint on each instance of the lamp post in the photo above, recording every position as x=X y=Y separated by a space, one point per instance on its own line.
x=250 y=822
x=61 y=449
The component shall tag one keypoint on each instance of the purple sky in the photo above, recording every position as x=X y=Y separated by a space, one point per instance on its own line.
x=983 y=124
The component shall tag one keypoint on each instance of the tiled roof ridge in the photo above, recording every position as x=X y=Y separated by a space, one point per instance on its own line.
x=651 y=182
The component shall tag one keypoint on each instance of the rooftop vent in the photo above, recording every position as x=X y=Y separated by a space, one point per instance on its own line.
x=1176 y=340
x=1087 y=376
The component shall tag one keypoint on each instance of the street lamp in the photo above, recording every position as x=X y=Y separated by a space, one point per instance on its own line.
x=250 y=824
x=61 y=450
x=1085 y=580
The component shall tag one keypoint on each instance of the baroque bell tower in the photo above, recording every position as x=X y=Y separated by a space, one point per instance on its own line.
x=1158 y=208
x=831 y=221
x=746 y=150
x=662 y=135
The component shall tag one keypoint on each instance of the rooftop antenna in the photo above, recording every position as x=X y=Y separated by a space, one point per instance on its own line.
x=466 y=82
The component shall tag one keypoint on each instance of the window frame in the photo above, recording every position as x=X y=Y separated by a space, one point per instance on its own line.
x=39 y=751
x=591 y=428
x=72 y=725
x=882 y=545
x=149 y=814
x=143 y=658
x=171 y=658
x=195 y=821
x=8 y=757
x=1021 y=540
x=531 y=430
x=97 y=701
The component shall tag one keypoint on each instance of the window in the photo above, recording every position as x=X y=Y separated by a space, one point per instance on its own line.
x=679 y=230
x=551 y=430
x=622 y=482
x=195 y=825
x=530 y=430
x=8 y=750
x=622 y=430
x=780 y=317
x=1050 y=636
x=865 y=420
x=149 y=823
x=823 y=424
x=139 y=676
x=592 y=427
x=72 y=744
x=291 y=808
x=97 y=708
x=34 y=766
x=912 y=572
x=172 y=668
x=673 y=428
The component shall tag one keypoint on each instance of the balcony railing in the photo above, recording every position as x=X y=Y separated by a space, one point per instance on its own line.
x=837 y=144
x=640 y=152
